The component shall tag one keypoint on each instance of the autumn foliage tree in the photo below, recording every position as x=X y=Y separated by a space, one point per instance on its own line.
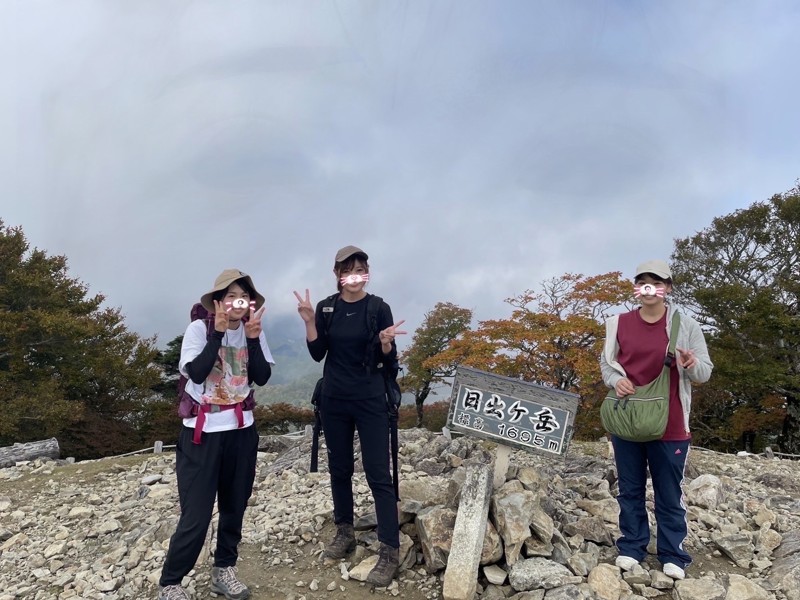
x=68 y=367
x=740 y=277
x=440 y=326
x=553 y=337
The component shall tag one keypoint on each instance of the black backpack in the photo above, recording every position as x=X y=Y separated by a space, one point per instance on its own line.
x=389 y=369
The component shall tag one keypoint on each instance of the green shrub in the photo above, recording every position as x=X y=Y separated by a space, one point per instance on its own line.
x=434 y=416
x=280 y=418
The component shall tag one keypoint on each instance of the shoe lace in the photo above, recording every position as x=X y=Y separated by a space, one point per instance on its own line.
x=173 y=592
x=341 y=536
x=227 y=575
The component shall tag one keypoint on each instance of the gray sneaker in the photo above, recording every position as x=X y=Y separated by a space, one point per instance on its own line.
x=224 y=581
x=172 y=592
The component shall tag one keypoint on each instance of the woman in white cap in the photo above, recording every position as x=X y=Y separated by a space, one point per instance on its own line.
x=218 y=444
x=354 y=398
x=634 y=355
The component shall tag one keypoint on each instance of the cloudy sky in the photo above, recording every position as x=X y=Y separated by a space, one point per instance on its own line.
x=473 y=149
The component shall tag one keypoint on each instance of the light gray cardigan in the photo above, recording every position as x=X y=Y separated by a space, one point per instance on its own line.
x=690 y=337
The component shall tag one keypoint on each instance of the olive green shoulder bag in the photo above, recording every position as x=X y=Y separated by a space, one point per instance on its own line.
x=642 y=416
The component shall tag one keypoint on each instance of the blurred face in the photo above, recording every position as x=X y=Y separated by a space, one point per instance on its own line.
x=353 y=277
x=651 y=291
x=237 y=300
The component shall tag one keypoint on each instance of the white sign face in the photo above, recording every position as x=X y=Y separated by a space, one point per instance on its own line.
x=512 y=412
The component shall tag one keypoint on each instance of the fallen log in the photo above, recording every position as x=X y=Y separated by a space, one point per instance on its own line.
x=11 y=455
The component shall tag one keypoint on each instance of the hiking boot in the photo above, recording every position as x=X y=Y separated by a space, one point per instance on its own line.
x=225 y=582
x=172 y=592
x=386 y=568
x=343 y=543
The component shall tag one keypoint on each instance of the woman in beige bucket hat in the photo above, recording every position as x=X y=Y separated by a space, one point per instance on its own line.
x=217 y=447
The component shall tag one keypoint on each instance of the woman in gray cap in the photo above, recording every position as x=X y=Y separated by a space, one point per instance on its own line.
x=634 y=355
x=354 y=398
x=223 y=359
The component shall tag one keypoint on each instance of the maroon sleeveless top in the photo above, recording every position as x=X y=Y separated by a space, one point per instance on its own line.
x=642 y=348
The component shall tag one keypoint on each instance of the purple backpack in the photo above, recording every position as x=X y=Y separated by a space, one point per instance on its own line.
x=187 y=406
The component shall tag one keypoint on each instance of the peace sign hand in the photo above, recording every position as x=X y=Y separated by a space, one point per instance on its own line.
x=304 y=307
x=221 y=316
x=387 y=335
x=252 y=329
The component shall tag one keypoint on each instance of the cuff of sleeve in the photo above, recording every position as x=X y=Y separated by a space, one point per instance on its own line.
x=216 y=335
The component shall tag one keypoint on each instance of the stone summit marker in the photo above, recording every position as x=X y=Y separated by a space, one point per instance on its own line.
x=512 y=413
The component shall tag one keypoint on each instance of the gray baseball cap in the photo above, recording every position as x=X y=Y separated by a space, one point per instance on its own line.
x=348 y=251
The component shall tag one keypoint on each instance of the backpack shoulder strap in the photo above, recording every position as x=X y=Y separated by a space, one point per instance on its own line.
x=316 y=399
x=209 y=325
x=673 y=333
x=675 y=326
x=374 y=304
x=198 y=312
x=328 y=306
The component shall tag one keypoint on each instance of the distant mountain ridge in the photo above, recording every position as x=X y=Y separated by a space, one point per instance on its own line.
x=295 y=373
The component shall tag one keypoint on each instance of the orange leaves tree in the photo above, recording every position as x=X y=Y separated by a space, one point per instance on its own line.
x=553 y=337
x=439 y=328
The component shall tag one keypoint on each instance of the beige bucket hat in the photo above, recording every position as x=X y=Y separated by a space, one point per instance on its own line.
x=223 y=280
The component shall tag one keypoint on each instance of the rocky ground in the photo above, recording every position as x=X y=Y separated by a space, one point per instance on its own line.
x=100 y=529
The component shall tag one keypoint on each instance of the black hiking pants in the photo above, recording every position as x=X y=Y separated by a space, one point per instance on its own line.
x=223 y=466
x=370 y=417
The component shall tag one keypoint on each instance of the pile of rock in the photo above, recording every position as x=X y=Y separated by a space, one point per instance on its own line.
x=102 y=531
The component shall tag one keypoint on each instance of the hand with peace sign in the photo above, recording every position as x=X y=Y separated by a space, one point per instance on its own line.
x=221 y=316
x=304 y=307
x=252 y=329
x=387 y=336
